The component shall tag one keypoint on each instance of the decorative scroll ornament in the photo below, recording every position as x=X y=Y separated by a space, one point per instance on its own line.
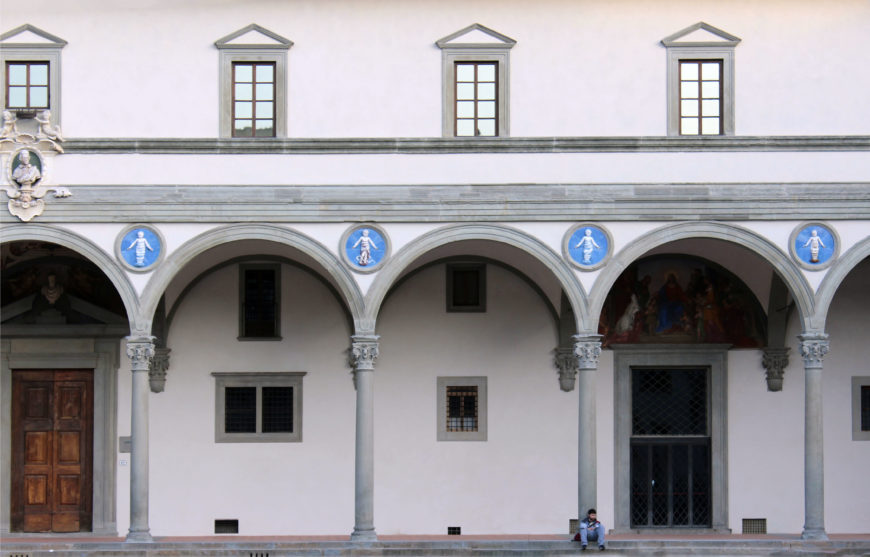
x=813 y=349
x=140 y=353
x=158 y=369
x=26 y=176
x=587 y=349
x=774 y=361
x=566 y=362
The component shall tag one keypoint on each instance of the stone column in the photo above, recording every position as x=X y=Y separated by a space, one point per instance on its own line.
x=587 y=349
x=813 y=348
x=140 y=350
x=774 y=361
x=364 y=352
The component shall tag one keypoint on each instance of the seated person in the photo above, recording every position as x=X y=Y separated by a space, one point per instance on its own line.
x=590 y=529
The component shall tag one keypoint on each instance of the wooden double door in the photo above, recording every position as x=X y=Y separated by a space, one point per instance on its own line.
x=52 y=450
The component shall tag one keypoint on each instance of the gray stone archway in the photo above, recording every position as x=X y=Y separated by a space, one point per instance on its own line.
x=835 y=277
x=496 y=233
x=176 y=261
x=778 y=259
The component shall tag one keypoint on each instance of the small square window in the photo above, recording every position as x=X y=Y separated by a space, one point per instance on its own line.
x=466 y=287
x=258 y=407
x=861 y=408
x=462 y=408
x=259 y=302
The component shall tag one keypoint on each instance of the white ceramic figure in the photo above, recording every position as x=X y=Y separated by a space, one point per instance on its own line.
x=589 y=244
x=365 y=244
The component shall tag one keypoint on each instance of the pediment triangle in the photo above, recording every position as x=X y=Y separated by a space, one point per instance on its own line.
x=253 y=34
x=701 y=33
x=28 y=34
x=476 y=34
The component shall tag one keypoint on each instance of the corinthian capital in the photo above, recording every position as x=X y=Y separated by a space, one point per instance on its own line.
x=774 y=361
x=813 y=349
x=566 y=362
x=587 y=349
x=364 y=352
x=159 y=367
x=140 y=350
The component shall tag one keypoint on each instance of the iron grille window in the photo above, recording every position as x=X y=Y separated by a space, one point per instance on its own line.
x=865 y=408
x=462 y=408
x=253 y=407
x=260 y=301
x=476 y=99
x=253 y=99
x=669 y=402
x=27 y=85
x=701 y=97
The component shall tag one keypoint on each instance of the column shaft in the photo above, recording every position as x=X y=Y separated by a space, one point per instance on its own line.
x=140 y=352
x=813 y=348
x=587 y=349
x=364 y=352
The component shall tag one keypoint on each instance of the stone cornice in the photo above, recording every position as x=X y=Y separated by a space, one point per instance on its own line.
x=436 y=145
x=461 y=202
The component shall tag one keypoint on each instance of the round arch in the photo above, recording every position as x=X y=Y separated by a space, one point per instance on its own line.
x=836 y=275
x=797 y=284
x=176 y=261
x=85 y=247
x=457 y=233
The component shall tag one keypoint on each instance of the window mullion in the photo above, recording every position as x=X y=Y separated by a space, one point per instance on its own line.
x=259 y=409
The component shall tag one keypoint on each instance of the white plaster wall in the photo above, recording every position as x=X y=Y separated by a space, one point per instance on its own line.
x=122 y=493
x=523 y=479
x=847 y=491
x=150 y=69
x=271 y=488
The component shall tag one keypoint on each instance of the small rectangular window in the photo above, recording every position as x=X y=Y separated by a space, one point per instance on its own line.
x=461 y=408
x=258 y=407
x=253 y=99
x=865 y=408
x=701 y=97
x=476 y=94
x=27 y=85
x=466 y=287
x=260 y=301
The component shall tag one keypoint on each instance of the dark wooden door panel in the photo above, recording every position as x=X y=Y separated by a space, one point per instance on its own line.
x=52 y=451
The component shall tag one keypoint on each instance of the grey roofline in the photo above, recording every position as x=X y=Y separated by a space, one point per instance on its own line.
x=36 y=31
x=444 y=42
x=728 y=38
x=285 y=43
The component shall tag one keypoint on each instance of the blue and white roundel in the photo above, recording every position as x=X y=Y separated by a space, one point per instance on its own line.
x=588 y=246
x=814 y=245
x=140 y=248
x=365 y=247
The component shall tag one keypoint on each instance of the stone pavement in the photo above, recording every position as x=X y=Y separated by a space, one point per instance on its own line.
x=841 y=545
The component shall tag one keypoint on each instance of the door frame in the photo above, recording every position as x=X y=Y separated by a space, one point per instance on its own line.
x=713 y=357
x=100 y=354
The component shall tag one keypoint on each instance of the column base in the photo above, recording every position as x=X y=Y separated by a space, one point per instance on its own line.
x=363 y=535
x=139 y=536
x=814 y=534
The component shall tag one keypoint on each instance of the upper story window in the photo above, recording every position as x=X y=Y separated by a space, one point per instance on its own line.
x=475 y=71
x=253 y=99
x=476 y=99
x=27 y=85
x=701 y=97
x=466 y=287
x=700 y=81
x=30 y=59
x=253 y=83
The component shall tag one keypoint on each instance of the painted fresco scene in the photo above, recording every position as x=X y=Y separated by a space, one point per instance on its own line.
x=681 y=299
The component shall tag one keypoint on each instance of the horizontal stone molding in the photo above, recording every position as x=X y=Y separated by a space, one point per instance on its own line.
x=462 y=203
x=425 y=145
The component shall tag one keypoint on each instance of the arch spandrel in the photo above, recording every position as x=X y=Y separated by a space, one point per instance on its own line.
x=177 y=260
x=96 y=255
x=422 y=245
x=835 y=277
x=790 y=274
